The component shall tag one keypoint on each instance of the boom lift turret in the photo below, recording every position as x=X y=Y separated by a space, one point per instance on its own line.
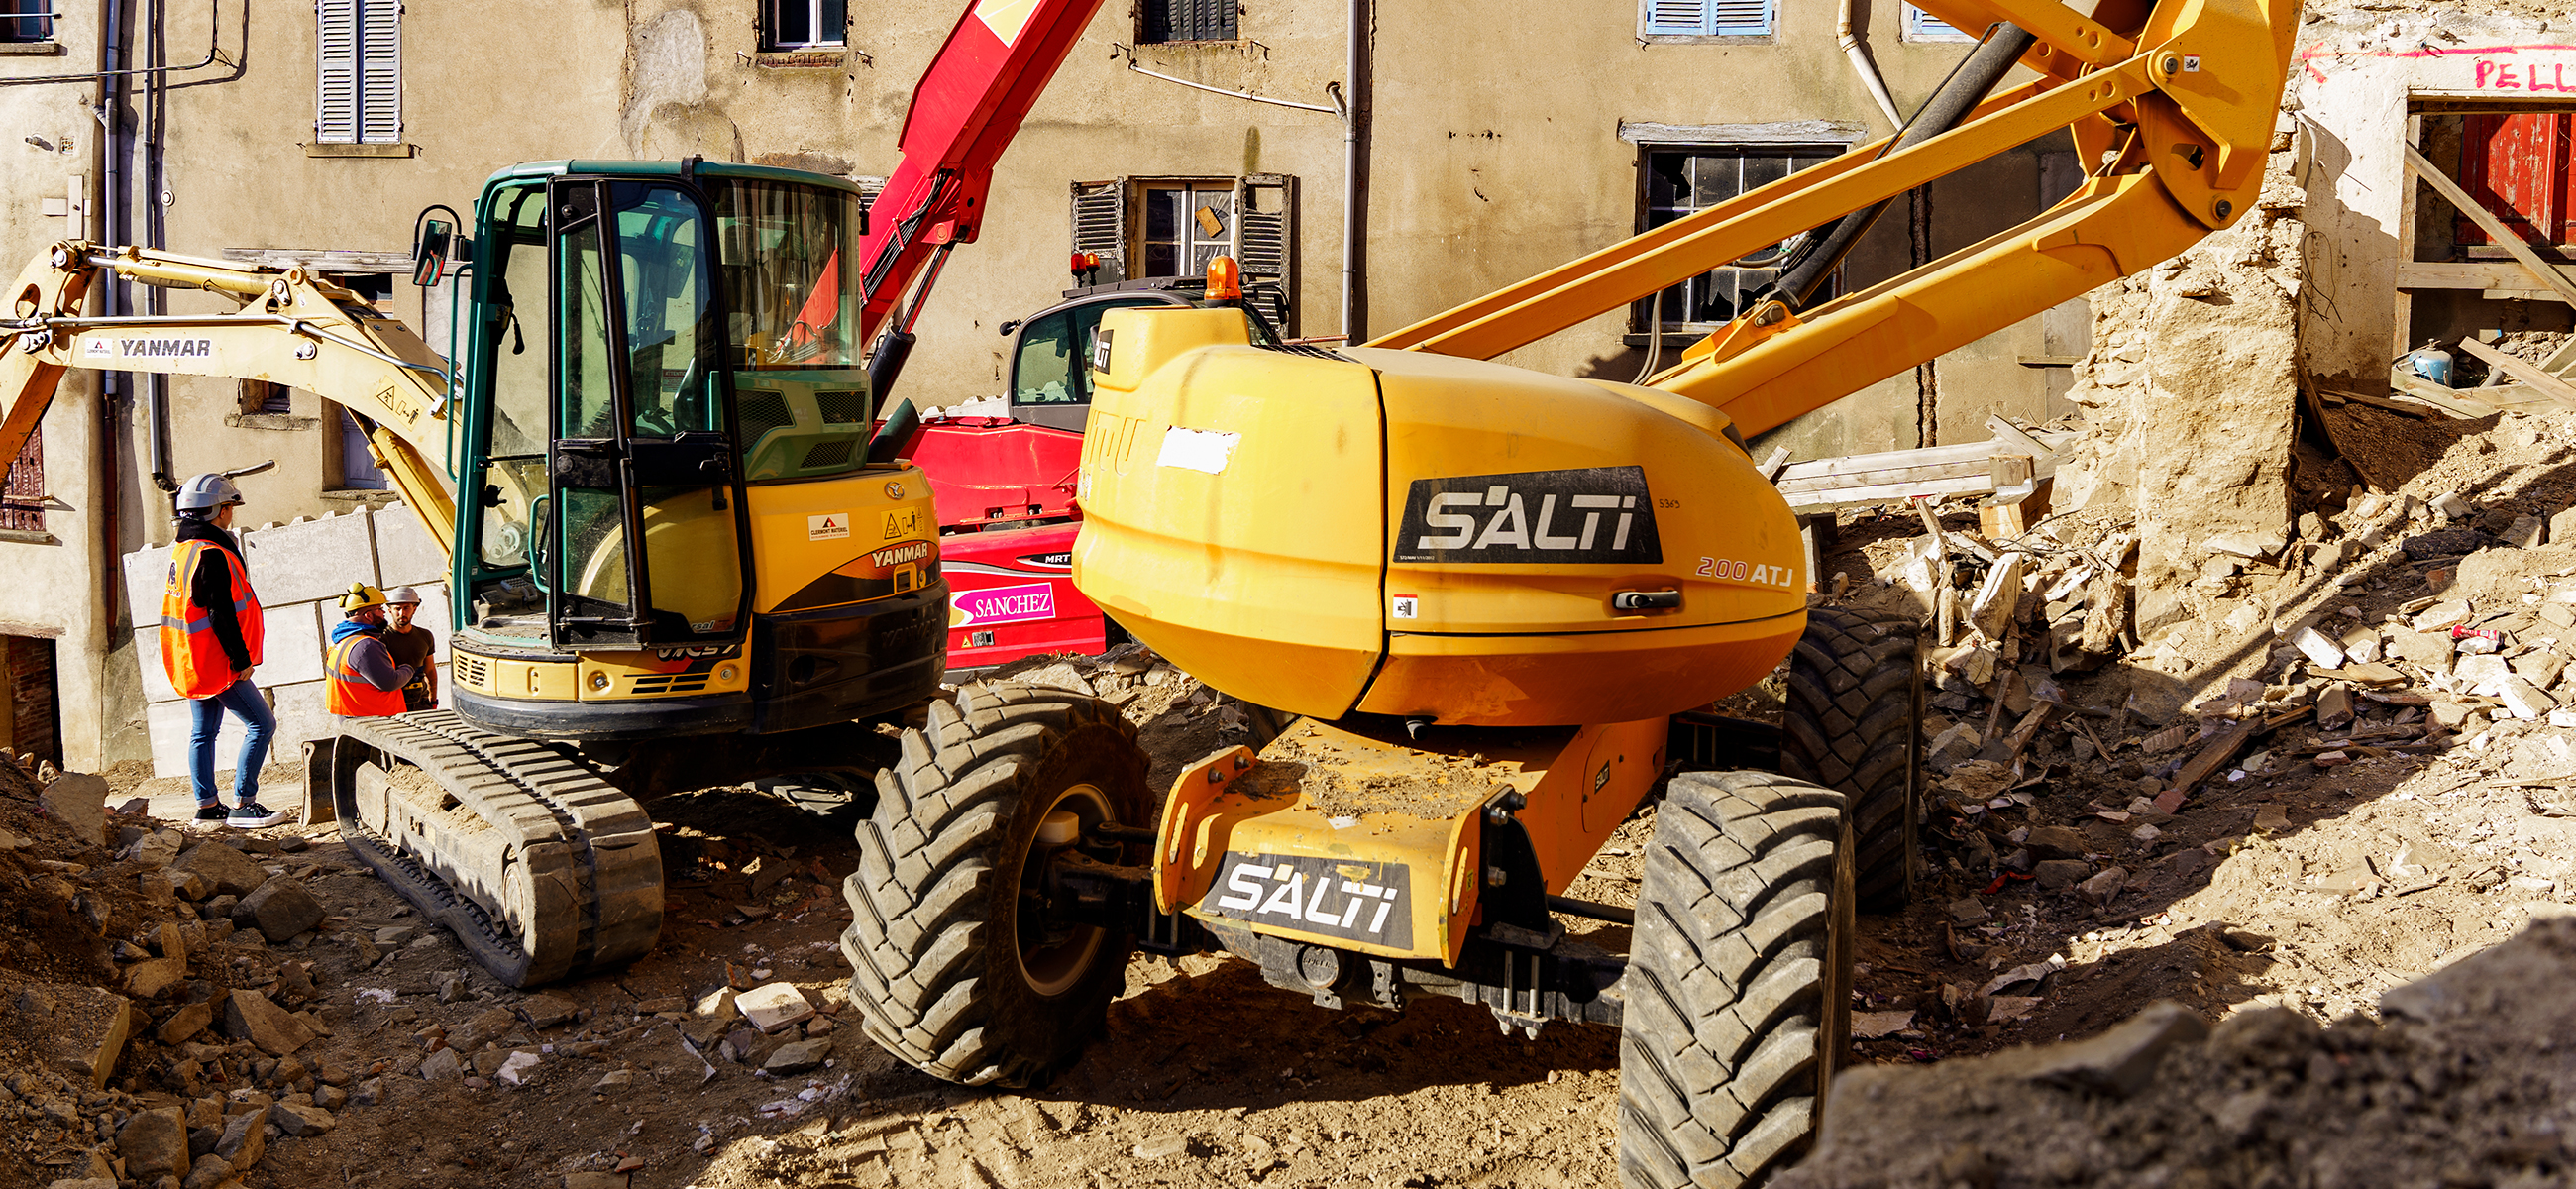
x=1485 y=591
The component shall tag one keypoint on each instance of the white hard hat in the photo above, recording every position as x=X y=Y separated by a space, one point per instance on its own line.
x=403 y=594
x=205 y=493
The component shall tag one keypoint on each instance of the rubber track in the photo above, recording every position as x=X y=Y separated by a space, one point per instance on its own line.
x=1726 y=985
x=1854 y=723
x=591 y=859
x=920 y=899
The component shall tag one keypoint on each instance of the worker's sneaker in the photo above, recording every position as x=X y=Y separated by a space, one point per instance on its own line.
x=209 y=817
x=253 y=816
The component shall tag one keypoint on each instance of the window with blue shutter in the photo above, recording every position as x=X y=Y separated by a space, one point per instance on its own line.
x=358 y=72
x=1923 y=26
x=1708 y=18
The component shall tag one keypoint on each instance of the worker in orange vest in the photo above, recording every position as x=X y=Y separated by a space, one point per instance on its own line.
x=211 y=638
x=360 y=677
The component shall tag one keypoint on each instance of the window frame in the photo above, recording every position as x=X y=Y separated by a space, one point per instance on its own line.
x=23 y=500
x=1709 y=26
x=1231 y=24
x=23 y=13
x=1639 y=327
x=1913 y=30
x=815 y=10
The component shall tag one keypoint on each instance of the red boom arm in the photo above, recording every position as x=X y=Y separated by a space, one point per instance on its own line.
x=969 y=105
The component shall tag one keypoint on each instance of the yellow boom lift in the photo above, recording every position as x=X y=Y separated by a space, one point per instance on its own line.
x=1481 y=593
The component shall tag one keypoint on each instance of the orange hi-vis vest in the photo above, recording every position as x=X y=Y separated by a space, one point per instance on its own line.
x=349 y=694
x=190 y=653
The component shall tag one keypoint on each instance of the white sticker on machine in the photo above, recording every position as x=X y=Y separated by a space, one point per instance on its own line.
x=1404 y=606
x=831 y=526
x=1197 y=449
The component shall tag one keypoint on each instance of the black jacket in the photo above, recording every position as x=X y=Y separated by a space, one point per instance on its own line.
x=212 y=588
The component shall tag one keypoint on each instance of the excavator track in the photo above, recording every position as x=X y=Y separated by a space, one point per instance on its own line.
x=542 y=869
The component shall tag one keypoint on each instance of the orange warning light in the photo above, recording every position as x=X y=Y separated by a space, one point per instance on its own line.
x=1224 y=279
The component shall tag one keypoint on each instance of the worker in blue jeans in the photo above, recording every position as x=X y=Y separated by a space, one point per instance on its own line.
x=212 y=635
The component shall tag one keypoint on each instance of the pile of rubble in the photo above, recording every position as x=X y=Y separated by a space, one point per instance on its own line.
x=161 y=1014
x=2461 y=1082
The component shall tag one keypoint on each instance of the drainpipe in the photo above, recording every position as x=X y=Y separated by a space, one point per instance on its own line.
x=1354 y=185
x=1862 y=66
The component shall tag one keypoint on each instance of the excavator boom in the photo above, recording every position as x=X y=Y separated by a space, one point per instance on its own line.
x=2172 y=106
x=293 y=328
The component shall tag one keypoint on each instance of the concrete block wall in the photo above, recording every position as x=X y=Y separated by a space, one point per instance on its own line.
x=299 y=570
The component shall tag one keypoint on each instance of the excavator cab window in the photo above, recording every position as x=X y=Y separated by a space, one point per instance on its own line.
x=786 y=256
x=642 y=451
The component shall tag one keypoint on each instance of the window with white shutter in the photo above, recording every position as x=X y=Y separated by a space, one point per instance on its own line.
x=358 y=72
x=1100 y=226
x=1665 y=20
x=1265 y=245
x=1923 y=26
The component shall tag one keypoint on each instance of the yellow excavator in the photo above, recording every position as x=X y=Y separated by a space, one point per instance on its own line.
x=1469 y=598
x=681 y=551
x=675 y=563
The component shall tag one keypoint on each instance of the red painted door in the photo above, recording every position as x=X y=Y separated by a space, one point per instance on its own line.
x=2516 y=165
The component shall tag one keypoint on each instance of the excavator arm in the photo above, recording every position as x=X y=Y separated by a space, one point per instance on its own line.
x=2171 y=107
x=293 y=327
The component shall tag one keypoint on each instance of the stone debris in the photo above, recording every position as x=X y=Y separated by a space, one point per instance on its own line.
x=248 y=1015
x=280 y=909
x=227 y=872
x=773 y=1006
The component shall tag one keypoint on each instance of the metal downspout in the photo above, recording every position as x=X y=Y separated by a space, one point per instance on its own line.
x=1862 y=66
x=156 y=98
x=1354 y=181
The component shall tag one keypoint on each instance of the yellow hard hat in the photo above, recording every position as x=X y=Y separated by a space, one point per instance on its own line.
x=360 y=597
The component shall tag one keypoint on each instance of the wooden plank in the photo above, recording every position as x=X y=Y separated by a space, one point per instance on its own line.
x=2462 y=274
x=1884 y=493
x=1770 y=467
x=2524 y=370
x=2504 y=237
x=2448 y=400
x=1980 y=468
x=1890 y=460
x=325 y=260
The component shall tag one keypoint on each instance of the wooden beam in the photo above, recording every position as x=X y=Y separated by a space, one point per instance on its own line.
x=2490 y=275
x=2505 y=237
x=2524 y=370
x=2449 y=400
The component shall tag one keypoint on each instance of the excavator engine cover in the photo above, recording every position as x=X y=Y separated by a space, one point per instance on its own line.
x=1399 y=533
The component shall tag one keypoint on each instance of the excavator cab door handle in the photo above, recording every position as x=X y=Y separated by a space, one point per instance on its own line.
x=1646 y=600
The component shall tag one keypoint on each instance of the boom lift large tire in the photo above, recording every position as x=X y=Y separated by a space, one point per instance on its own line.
x=1855 y=723
x=955 y=974
x=1738 y=980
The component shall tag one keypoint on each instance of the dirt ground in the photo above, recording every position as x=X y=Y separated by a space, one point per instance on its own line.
x=2063 y=896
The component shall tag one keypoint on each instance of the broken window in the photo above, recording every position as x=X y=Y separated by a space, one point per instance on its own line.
x=1187 y=20
x=358 y=72
x=804 y=24
x=26 y=20
x=1668 y=19
x=1172 y=227
x=1681 y=181
x=265 y=396
x=22 y=494
x=1923 y=26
